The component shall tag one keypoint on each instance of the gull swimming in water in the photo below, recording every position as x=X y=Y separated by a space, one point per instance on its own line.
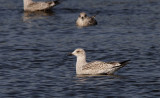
x=32 y=6
x=83 y=20
x=95 y=67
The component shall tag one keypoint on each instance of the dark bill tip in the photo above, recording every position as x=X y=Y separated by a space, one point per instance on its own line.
x=69 y=54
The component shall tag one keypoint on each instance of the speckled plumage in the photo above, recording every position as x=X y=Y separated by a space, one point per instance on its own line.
x=95 y=67
x=29 y=5
x=83 y=20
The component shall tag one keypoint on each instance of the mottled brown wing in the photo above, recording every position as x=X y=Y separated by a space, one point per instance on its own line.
x=93 y=65
x=92 y=21
x=99 y=65
x=113 y=63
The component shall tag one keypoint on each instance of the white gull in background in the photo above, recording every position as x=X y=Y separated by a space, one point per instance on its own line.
x=30 y=5
x=83 y=20
x=95 y=67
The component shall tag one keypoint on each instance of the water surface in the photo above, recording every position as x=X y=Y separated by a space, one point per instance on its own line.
x=33 y=49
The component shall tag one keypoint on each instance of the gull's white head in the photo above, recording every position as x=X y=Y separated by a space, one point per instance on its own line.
x=78 y=52
x=82 y=15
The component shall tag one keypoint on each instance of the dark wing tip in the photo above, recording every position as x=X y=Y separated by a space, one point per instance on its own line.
x=56 y=2
x=124 y=62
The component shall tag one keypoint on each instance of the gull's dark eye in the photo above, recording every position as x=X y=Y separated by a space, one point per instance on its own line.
x=78 y=51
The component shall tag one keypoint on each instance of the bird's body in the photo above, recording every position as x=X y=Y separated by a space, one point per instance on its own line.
x=83 y=20
x=95 y=67
x=32 y=6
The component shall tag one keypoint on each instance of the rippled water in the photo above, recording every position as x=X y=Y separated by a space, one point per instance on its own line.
x=33 y=49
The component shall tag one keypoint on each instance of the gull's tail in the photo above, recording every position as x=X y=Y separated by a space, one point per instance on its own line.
x=95 y=14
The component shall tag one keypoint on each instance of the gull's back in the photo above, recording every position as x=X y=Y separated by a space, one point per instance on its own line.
x=91 y=21
x=98 y=67
x=38 y=6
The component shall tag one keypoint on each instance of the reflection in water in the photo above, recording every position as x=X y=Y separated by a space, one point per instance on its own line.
x=115 y=76
x=80 y=79
x=36 y=15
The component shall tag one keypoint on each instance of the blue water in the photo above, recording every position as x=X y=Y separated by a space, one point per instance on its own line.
x=33 y=49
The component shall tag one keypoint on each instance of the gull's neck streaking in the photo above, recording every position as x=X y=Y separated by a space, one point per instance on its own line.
x=26 y=3
x=81 y=61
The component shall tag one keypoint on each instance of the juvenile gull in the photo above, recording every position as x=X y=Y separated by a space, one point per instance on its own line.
x=30 y=5
x=95 y=67
x=83 y=20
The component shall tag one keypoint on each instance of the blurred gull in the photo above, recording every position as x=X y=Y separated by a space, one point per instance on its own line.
x=84 y=20
x=95 y=67
x=30 y=5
